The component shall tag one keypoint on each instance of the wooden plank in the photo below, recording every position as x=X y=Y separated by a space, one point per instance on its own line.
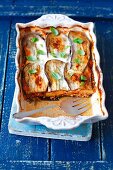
x=57 y=165
x=4 y=39
x=94 y=4
x=72 y=8
x=77 y=151
x=35 y=2
x=105 y=39
x=6 y=2
x=14 y=147
x=57 y=3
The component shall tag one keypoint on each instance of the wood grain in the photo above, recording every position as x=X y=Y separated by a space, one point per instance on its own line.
x=4 y=40
x=57 y=165
x=84 y=9
x=77 y=151
x=14 y=147
x=105 y=37
x=18 y=152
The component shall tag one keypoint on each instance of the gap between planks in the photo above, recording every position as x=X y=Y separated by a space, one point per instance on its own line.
x=4 y=81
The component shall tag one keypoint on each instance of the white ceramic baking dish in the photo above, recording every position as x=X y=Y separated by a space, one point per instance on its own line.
x=98 y=112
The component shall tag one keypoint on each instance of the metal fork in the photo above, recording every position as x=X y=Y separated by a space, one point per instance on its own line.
x=75 y=106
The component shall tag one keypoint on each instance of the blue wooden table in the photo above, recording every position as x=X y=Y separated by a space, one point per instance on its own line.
x=18 y=152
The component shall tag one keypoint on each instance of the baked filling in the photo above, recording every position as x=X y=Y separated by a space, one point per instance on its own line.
x=55 y=62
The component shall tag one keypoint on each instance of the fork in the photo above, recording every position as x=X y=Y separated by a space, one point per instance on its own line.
x=75 y=106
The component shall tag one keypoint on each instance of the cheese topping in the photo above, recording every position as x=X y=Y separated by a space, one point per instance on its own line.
x=56 y=63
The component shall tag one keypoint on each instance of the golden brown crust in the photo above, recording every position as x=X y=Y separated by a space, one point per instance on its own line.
x=60 y=93
x=55 y=42
x=33 y=83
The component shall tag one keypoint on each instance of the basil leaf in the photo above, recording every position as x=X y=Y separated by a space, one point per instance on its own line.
x=78 y=40
x=83 y=78
x=77 y=60
x=54 y=31
x=41 y=45
x=34 y=39
x=62 y=54
x=32 y=71
x=40 y=52
x=82 y=83
x=66 y=47
x=81 y=52
x=31 y=58
x=53 y=54
x=56 y=75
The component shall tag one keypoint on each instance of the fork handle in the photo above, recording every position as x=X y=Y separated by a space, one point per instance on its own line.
x=20 y=115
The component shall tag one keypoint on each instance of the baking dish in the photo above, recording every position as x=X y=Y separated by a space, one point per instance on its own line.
x=60 y=120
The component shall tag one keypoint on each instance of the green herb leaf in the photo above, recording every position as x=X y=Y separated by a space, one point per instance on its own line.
x=82 y=83
x=53 y=54
x=77 y=60
x=63 y=55
x=31 y=58
x=32 y=71
x=66 y=47
x=83 y=78
x=81 y=52
x=56 y=75
x=54 y=31
x=40 y=52
x=41 y=45
x=78 y=40
x=34 y=39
